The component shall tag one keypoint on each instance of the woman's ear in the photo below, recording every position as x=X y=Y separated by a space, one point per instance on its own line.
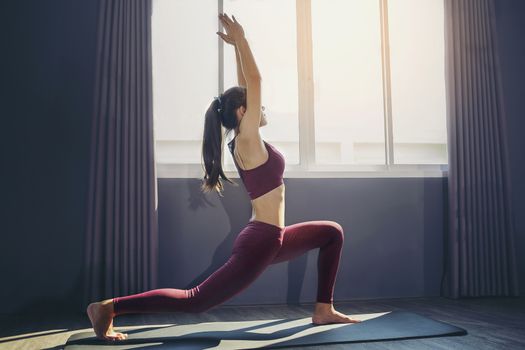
x=240 y=112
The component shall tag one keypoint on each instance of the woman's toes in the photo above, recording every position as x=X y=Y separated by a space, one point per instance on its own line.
x=114 y=337
x=120 y=336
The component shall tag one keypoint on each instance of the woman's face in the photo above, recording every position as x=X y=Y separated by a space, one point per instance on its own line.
x=263 y=117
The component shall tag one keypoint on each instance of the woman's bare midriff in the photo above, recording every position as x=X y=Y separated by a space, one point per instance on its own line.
x=269 y=207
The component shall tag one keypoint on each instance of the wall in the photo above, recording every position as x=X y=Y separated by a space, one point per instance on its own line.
x=393 y=236
x=47 y=70
x=510 y=24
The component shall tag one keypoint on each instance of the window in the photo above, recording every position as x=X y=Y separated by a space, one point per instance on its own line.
x=348 y=96
x=417 y=61
x=185 y=76
x=272 y=36
x=351 y=87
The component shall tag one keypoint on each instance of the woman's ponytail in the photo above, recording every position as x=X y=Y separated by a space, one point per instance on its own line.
x=212 y=146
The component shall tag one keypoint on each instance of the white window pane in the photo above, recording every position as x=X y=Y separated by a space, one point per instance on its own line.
x=185 y=73
x=348 y=97
x=271 y=30
x=418 y=81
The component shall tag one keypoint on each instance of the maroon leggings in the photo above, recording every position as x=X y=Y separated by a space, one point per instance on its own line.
x=258 y=245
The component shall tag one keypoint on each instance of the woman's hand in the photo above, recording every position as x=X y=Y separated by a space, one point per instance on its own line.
x=234 y=31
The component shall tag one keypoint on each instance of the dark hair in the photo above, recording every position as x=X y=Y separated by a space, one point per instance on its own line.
x=219 y=113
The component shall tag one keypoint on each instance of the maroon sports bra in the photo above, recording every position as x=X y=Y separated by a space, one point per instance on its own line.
x=265 y=177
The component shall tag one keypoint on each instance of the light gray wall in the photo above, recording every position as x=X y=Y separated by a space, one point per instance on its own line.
x=393 y=236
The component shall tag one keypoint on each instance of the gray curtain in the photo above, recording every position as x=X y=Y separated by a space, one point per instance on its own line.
x=121 y=234
x=480 y=250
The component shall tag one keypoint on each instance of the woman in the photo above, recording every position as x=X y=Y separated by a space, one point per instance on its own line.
x=265 y=240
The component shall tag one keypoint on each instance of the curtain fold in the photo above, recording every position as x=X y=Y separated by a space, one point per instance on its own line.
x=480 y=255
x=121 y=250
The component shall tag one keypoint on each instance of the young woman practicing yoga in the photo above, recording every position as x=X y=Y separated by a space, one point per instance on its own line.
x=265 y=240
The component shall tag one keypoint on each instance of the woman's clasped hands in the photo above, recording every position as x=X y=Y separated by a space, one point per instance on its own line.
x=234 y=31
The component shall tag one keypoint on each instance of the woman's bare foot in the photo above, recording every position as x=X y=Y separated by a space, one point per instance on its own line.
x=325 y=314
x=101 y=316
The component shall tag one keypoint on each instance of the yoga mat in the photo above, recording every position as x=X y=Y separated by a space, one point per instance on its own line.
x=271 y=334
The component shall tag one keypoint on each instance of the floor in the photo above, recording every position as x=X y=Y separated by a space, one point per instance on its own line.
x=491 y=322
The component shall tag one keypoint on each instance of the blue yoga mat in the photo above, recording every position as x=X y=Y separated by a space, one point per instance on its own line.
x=279 y=333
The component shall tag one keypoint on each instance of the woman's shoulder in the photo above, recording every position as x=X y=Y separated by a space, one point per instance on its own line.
x=252 y=141
x=251 y=149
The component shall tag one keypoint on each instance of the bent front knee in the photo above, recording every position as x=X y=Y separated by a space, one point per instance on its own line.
x=337 y=231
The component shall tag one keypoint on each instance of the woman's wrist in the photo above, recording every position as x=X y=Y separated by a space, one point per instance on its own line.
x=240 y=40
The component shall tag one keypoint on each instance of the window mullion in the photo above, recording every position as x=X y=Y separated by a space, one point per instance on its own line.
x=220 y=8
x=305 y=85
x=387 y=92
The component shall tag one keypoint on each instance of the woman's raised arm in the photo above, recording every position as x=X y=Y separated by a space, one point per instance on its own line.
x=235 y=36
x=240 y=75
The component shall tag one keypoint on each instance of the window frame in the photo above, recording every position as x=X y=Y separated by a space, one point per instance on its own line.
x=307 y=167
